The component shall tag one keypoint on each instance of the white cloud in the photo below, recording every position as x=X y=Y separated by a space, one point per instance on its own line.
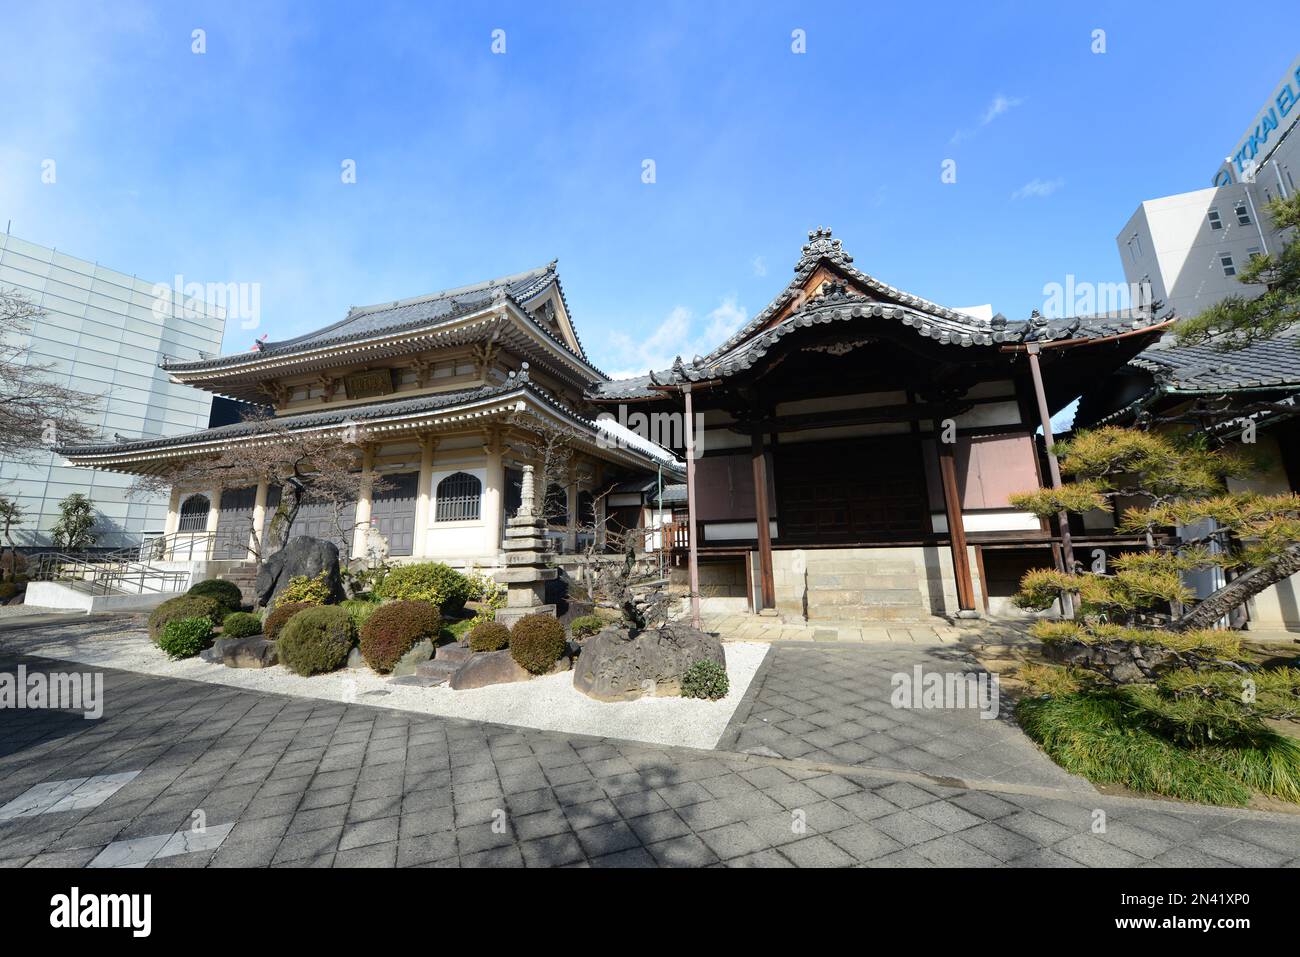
x=1038 y=188
x=679 y=334
x=1000 y=104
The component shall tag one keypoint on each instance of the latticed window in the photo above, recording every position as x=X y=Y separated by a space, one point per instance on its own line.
x=459 y=495
x=194 y=514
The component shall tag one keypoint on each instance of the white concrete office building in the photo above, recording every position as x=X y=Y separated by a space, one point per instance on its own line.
x=103 y=333
x=1191 y=246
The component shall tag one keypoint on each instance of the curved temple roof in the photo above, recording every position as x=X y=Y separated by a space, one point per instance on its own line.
x=860 y=297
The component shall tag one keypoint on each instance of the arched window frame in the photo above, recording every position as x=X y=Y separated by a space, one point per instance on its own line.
x=458 y=497
x=191 y=519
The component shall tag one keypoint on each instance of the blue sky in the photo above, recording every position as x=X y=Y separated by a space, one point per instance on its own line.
x=225 y=166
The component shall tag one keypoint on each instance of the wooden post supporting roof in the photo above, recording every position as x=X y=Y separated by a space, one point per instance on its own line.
x=767 y=584
x=694 y=560
x=956 y=528
x=1067 y=545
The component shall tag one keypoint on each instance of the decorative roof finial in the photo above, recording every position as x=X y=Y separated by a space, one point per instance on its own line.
x=822 y=245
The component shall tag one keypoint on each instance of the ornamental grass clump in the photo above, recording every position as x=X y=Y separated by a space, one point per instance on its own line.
x=316 y=640
x=488 y=636
x=585 y=626
x=185 y=637
x=537 y=642
x=394 y=629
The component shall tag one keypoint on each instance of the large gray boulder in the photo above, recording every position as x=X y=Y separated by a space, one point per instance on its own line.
x=488 y=668
x=306 y=557
x=420 y=651
x=618 y=664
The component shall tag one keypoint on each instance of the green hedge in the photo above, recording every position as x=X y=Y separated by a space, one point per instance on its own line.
x=488 y=636
x=281 y=615
x=427 y=581
x=241 y=624
x=185 y=606
x=227 y=593
x=185 y=637
x=536 y=642
x=316 y=639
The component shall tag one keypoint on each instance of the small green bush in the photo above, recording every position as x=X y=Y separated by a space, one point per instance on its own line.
x=536 y=642
x=586 y=625
x=241 y=624
x=185 y=606
x=281 y=615
x=185 y=637
x=227 y=593
x=7 y=590
x=488 y=636
x=316 y=640
x=427 y=581
x=705 y=679
x=302 y=590
x=393 y=629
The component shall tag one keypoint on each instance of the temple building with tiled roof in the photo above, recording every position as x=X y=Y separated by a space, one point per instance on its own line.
x=443 y=396
x=855 y=445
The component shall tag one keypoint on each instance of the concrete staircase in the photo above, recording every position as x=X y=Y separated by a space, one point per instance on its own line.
x=866 y=589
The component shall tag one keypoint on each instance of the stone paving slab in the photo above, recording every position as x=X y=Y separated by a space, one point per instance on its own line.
x=832 y=704
x=309 y=783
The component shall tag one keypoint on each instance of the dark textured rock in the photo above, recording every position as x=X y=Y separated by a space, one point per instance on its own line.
x=420 y=651
x=619 y=665
x=253 y=652
x=305 y=557
x=488 y=668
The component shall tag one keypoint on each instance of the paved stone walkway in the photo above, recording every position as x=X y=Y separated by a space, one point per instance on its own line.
x=832 y=703
x=291 y=782
x=747 y=627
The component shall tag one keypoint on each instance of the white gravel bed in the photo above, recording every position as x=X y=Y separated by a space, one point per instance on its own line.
x=549 y=702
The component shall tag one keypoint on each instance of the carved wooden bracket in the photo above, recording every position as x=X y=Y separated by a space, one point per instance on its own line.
x=484 y=355
x=423 y=371
x=279 y=392
x=329 y=386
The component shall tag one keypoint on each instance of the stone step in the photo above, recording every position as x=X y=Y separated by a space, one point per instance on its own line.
x=453 y=653
x=862 y=581
x=914 y=612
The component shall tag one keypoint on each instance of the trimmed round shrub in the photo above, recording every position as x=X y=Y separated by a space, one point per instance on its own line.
x=317 y=639
x=227 y=593
x=488 y=636
x=281 y=615
x=393 y=629
x=185 y=637
x=585 y=625
x=185 y=606
x=427 y=581
x=705 y=679
x=241 y=624
x=536 y=642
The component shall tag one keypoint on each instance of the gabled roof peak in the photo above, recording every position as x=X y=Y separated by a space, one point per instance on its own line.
x=821 y=245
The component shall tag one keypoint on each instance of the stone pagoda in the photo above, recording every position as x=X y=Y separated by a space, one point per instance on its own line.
x=527 y=553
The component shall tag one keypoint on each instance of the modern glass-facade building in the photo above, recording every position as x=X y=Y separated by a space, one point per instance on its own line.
x=103 y=333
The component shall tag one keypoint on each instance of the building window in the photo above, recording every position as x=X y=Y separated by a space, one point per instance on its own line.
x=1226 y=261
x=1134 y=247
x=459 y=495
x=1253 y=251
x=1215 y=221
x=194 y=514
x=1243 y=216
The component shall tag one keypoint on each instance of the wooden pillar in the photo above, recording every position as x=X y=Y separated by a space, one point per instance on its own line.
x=359 y=533
x=1054 y=468
x=956 y=527
x=694 y=561
x=424 y=496
x=767 y=583
x=259 y=520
